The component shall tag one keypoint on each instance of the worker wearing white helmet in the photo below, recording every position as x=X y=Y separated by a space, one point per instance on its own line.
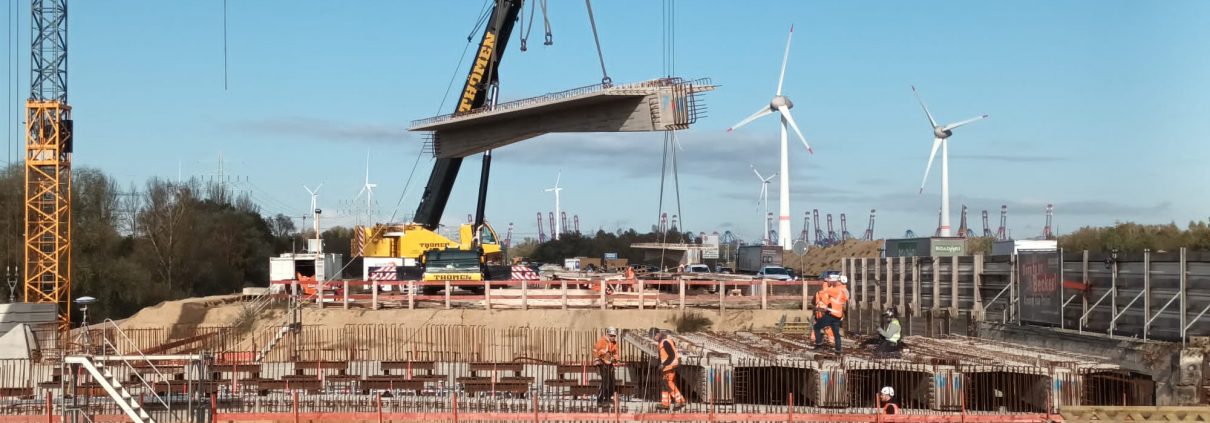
x=886 y=400
x=607 y=357
x=837 y=297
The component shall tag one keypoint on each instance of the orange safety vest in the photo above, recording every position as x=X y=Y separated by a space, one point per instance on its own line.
x=674 y=359
x=838 y=297
x=890 y=408
x=821 y=302
x=598 y=285
x=606 y=351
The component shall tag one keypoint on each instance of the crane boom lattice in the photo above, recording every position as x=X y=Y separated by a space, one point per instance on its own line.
x=48 y=149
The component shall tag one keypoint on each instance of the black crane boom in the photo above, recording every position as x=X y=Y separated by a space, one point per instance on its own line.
x=480 y=87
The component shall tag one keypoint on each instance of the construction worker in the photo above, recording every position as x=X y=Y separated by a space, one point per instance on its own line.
x=821 y=304
x=606 y=357
x=886 y=401
x=889 y=335
x=670 y=358
x=837 y=296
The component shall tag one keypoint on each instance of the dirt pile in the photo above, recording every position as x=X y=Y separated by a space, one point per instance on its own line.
x=208 y=312
x=214 y=310
x=819 y=259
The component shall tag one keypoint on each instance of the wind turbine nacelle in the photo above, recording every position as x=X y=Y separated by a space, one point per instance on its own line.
x=781 y=100
x=942 y=133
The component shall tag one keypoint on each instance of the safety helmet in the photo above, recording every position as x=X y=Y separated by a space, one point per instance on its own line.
x=833 y=277
x=890 y=312
x=888 y=391
x=844 y=279
x=611 y=331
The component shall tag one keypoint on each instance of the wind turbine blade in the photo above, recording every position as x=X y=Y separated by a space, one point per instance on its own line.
x=759 y=113
x=932 y=122
x=785 y=114
x=758 y=175
x=957 y=124
x=363 y=190
x=558 y=178
x=763 y=188
x=784 y=59
x=932 y=155
x=770 y=178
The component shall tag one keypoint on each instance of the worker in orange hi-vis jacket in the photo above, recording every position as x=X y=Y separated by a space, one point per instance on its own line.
x=821 y=304
x=670 y=358
x=606 y=356
x=838 y=297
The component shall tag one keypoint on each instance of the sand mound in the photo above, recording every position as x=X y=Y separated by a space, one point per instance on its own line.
x=206 y=311
x=819 y=259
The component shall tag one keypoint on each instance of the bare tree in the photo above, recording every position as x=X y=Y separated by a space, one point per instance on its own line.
x=164 y=221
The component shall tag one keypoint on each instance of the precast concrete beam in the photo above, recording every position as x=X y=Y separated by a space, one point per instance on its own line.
x=649 y=106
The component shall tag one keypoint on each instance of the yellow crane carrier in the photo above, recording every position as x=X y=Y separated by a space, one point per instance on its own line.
x=430 y=256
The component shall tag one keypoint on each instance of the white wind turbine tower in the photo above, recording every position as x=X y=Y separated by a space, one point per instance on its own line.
x=764 y=195
x=556 y=189
x=368 y=190
x=315 y=214
x=781 y=104
x=941 y=136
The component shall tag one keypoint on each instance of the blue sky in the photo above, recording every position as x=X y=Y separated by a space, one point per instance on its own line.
x=1099 y=107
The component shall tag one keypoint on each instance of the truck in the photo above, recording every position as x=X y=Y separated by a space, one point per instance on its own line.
x=751 y=258
x=413 y=249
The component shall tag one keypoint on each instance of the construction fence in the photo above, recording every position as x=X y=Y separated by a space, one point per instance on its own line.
x=680 y=292
x=1148 y=296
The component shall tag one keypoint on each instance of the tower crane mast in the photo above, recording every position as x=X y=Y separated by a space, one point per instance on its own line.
x=48 y=154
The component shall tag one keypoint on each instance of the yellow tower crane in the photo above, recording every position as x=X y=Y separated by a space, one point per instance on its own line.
x=48 y=146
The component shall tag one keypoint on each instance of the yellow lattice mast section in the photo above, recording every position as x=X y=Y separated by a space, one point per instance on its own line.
x=48 y=146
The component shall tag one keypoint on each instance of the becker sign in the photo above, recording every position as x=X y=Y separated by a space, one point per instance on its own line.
x=1041 y=278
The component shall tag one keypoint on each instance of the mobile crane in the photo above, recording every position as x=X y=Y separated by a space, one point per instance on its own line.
x=419 y=240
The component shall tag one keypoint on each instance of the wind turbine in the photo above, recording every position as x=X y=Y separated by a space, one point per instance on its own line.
x=941 y=136
x=316 y=211
x=781 y=104
x=368 y=190
x=556 y=189
x=764 y=194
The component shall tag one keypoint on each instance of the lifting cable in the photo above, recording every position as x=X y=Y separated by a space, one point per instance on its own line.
x=550 y=38
x=12 y=76
x=670 y=142
x=529 y=29
x=224 y=45
x=591 y=20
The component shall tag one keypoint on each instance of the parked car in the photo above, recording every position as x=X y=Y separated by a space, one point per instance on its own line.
x=697 y=268
x=774 y=272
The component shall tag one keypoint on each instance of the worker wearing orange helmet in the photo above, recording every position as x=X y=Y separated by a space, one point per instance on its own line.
x=670 y=358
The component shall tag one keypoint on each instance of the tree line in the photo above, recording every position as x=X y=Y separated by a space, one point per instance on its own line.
x=164 y=240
